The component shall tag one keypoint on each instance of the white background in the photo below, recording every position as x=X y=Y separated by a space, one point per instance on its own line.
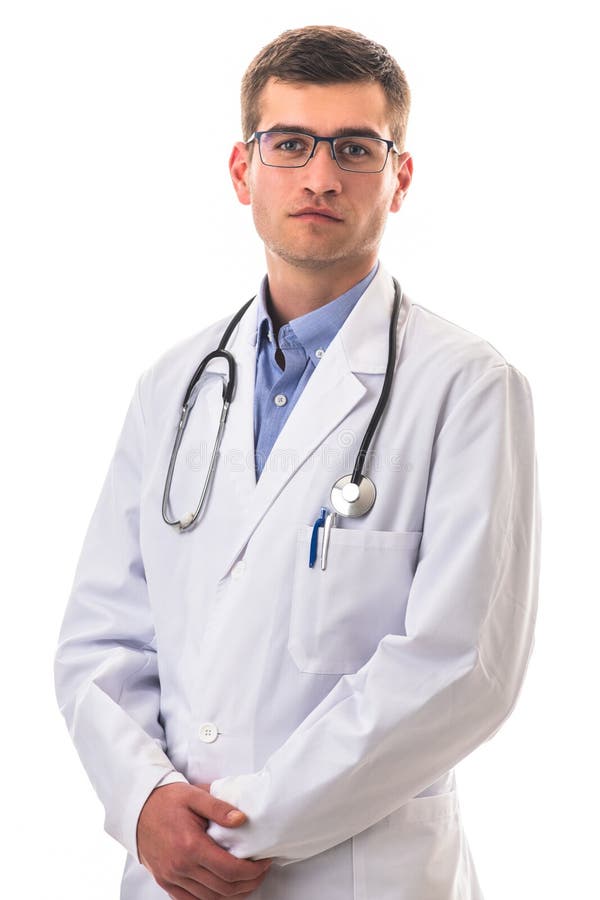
x=121 y=234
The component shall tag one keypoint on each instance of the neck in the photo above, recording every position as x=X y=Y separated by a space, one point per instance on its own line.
x=294 y=291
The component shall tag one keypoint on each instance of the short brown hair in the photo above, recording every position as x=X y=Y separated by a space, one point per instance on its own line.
x=325 y=54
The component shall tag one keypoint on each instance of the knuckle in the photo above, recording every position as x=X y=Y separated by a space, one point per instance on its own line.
x=187 y=844
x=228 y=873
x=244 y=887
x=179 y=862
x=169 y=872
x=178 y=866
x=218 y=809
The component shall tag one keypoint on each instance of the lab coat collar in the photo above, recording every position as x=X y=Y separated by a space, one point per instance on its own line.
x=363 y=331
x=315 y=330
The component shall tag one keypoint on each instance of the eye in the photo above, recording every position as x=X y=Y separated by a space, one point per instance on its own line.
x=354 y=150
x=291 y=145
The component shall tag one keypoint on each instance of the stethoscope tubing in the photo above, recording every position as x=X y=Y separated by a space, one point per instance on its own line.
x=228 y=393
x=385 y=390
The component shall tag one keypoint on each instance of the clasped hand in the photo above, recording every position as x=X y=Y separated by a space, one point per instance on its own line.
x=173 y=845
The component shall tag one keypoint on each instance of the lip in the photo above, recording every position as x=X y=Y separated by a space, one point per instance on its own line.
x=314 y=213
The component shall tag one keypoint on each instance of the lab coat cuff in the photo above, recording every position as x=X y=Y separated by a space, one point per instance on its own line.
x=248 y=793
x=227 y=788
x=172 y=778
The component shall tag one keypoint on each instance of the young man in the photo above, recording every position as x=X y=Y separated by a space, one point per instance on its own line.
x=325 y=685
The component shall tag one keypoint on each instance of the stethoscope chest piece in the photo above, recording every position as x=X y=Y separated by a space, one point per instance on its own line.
x=350 y=499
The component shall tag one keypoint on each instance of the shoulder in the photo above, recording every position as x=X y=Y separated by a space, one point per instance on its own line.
x=451 y=360
x=451 y=345
x=168 y=376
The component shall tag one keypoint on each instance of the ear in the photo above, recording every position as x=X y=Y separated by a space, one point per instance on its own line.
x=239 y=169
x=403 y=176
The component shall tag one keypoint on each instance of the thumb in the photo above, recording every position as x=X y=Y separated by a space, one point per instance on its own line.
x=202 y=802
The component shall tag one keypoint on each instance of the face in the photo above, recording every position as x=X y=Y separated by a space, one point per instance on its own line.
x=360 y=202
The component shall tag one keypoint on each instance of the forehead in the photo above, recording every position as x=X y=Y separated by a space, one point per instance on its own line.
x=324 y=108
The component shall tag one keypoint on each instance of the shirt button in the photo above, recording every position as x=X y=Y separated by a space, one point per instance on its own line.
x=280 y=400
x=238 y=570
x=208 y=732
x=319 y=353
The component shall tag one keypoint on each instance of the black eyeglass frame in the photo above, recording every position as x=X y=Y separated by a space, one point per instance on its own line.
x=329 y=140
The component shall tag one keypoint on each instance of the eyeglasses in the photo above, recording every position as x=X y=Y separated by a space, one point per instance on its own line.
x=292 y=150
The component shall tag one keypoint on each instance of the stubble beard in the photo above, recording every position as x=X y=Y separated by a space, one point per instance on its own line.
x=317 y=258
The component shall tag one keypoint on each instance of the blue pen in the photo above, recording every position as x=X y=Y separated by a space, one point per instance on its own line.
x=314 y=539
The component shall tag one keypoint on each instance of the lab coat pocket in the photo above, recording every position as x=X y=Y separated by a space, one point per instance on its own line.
x=340 y=614
x=415 y=853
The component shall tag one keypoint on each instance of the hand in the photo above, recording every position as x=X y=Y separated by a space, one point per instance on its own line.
x=173 y=845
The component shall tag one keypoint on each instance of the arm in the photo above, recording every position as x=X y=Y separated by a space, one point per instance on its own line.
x=106 y=675
x=427 y=699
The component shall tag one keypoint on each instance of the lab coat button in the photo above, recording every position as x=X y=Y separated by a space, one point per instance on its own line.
x=208 y=732
x=238 y=570
x=280 y=400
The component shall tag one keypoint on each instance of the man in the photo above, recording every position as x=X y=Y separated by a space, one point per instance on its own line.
x=210 y=668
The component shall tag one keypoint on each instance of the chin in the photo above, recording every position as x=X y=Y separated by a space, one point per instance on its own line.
x=308 y=260
x=314 y=256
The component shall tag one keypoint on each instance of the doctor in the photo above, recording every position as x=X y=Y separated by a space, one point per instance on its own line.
x=210 y=669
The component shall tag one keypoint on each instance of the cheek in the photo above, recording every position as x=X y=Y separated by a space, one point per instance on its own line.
x=268 y=186
x=370 y=200
x=376 y=209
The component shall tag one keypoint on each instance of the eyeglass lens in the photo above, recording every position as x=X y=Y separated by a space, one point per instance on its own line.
x=355 y=154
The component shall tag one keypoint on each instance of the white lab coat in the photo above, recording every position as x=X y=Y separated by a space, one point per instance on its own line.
x=330 y=706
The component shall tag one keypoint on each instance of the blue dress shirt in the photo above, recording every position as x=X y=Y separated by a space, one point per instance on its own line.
x=303 y=341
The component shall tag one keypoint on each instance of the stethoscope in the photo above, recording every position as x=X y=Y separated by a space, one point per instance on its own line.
x=352 y=495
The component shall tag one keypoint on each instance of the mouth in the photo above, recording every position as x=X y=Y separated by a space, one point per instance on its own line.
x=313 y=215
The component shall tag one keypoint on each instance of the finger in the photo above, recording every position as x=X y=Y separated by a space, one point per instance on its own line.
x=205 y=879
x=179 y=893
x=227 y=866
x=210 y=807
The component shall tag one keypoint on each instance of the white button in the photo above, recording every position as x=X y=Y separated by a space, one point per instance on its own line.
x=280 y=400
x=238 y=569
x=319 y=353
x=208 y=732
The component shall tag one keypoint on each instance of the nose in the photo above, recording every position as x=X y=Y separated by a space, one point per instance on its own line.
x=321 y=174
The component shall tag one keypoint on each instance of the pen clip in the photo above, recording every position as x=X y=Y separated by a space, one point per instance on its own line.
x=314 y=538
x=330 y=522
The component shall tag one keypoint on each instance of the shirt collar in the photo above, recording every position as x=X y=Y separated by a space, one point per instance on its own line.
x=315 y=330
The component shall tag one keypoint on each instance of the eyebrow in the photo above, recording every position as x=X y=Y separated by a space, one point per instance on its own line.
x=351 y=131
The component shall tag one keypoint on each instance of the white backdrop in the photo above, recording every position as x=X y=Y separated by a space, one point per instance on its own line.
x=121 y=234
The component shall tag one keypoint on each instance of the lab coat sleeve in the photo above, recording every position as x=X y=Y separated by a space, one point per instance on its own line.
x=172 y=778
x=106 y=676
x=427 y=698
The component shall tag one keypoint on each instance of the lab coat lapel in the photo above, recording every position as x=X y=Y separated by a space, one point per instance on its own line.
x=329 y=395
x=332 y=392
